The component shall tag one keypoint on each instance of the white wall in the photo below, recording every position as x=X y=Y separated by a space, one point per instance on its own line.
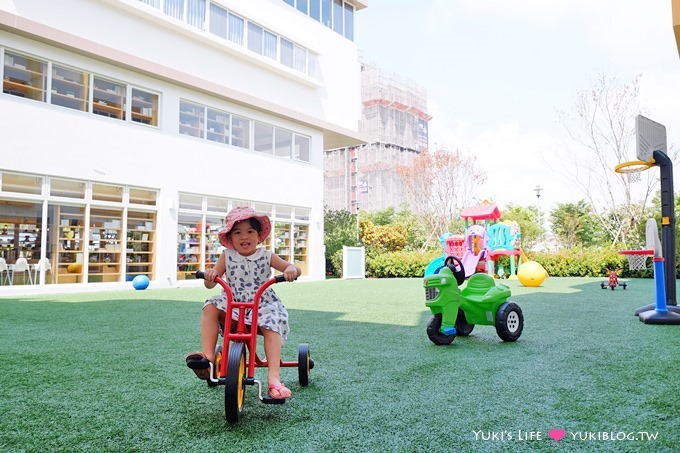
x=49 y=140
x=127 y=26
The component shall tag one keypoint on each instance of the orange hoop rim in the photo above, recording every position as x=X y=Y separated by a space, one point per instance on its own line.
x=633 y=166
x=637 y=252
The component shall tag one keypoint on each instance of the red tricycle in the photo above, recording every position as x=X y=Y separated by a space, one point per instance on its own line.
x=613 y=280
x=236 y=356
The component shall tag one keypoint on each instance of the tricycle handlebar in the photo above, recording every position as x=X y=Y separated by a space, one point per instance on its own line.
x=278 y=279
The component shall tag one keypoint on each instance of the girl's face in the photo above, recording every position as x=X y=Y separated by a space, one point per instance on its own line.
x=244 y=237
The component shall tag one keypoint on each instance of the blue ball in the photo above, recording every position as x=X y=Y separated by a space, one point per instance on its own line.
x=140 y=282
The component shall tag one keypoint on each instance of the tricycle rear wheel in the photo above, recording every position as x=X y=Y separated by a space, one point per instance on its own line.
x=435 y=335
x=304 y=361
x=235 y=383
x=216 y=365
x=509 y=321
x=463 y=328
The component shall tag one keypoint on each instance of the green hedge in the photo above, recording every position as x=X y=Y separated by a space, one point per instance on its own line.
x=564 y=263
x=399 y=264
x=587 y=263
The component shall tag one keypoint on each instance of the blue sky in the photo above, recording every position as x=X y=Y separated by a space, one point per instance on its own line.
x=498 y=71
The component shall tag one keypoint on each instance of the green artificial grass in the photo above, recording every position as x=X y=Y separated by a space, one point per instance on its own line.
x=105 y=372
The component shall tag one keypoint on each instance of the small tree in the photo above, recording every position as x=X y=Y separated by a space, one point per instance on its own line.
x=574 y=224
x=440 y=183
x=603 y=129
x=340 y=228
x=527 y=218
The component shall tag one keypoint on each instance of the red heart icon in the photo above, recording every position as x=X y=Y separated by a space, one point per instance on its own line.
x=556 y=434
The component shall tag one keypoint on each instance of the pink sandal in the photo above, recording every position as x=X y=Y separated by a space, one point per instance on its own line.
x=282 y=392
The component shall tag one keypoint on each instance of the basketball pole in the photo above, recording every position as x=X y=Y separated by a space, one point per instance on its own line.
x=667 y=223
x=654 y=314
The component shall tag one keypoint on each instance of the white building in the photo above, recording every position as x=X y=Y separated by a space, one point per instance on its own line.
x=130 y=127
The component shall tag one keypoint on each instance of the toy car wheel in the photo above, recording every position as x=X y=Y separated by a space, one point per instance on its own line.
x=603 y=285
x=463 y=328
x=625 y=285
x=304 y=364
x=509 y=321
x=235 y=383
x=435 y=335
x=218 y=359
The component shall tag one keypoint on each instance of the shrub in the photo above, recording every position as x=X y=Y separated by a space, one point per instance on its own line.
x=593 y=262
x=382 y=238
x=399 y=264
x=336 y=261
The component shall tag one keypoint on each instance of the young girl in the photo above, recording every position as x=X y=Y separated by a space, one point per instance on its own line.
x=246 y=267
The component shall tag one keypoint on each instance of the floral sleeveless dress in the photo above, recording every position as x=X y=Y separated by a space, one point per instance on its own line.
x=244 y=275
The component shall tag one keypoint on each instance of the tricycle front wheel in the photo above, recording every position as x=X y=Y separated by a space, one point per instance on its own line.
x=235 y=383
x=435 y=335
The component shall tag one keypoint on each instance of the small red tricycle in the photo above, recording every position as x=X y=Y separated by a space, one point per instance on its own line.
x=613 y=281
x=236 y=356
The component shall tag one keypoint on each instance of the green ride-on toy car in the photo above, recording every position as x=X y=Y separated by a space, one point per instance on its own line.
x=456 y=311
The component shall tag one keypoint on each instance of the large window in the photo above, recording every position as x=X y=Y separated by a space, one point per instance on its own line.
x=220 y=126
x=79 y=240
x=219 y=21
x=202 y=217
x=27 y=77
x=338 y=15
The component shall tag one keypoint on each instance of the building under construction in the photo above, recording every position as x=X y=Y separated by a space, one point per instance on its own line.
x=395 y=123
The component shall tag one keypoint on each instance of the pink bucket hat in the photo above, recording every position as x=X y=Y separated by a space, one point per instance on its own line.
x=240 y=214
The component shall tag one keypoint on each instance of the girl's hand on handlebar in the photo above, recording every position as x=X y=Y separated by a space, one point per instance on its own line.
x=209 y=275
x=290 y=273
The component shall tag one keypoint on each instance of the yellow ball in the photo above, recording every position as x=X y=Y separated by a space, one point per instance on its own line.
x=531 y=273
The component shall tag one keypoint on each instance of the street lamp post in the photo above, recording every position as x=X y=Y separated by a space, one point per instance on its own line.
x=538 y=190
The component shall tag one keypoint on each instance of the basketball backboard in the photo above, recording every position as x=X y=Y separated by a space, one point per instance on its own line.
x=651 y=136
x=652 y=241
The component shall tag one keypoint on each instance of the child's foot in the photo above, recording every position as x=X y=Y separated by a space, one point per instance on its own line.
x=279 y=391
x=198 y=362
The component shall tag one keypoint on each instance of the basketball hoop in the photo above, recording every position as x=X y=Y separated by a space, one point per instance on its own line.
x=633 y=169
x=637 y=259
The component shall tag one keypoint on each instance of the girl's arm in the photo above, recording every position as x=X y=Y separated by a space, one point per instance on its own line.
x=217 y=271
x=290 y=271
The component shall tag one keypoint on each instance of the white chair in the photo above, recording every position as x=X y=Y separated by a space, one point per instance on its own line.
x=4 y=270
x=42 y=265
x=22 y=266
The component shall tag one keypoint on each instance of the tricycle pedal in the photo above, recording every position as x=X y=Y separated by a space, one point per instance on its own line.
x=266 y=399
x=269 y=400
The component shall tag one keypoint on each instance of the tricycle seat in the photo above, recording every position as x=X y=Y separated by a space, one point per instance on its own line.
x=482 y=288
